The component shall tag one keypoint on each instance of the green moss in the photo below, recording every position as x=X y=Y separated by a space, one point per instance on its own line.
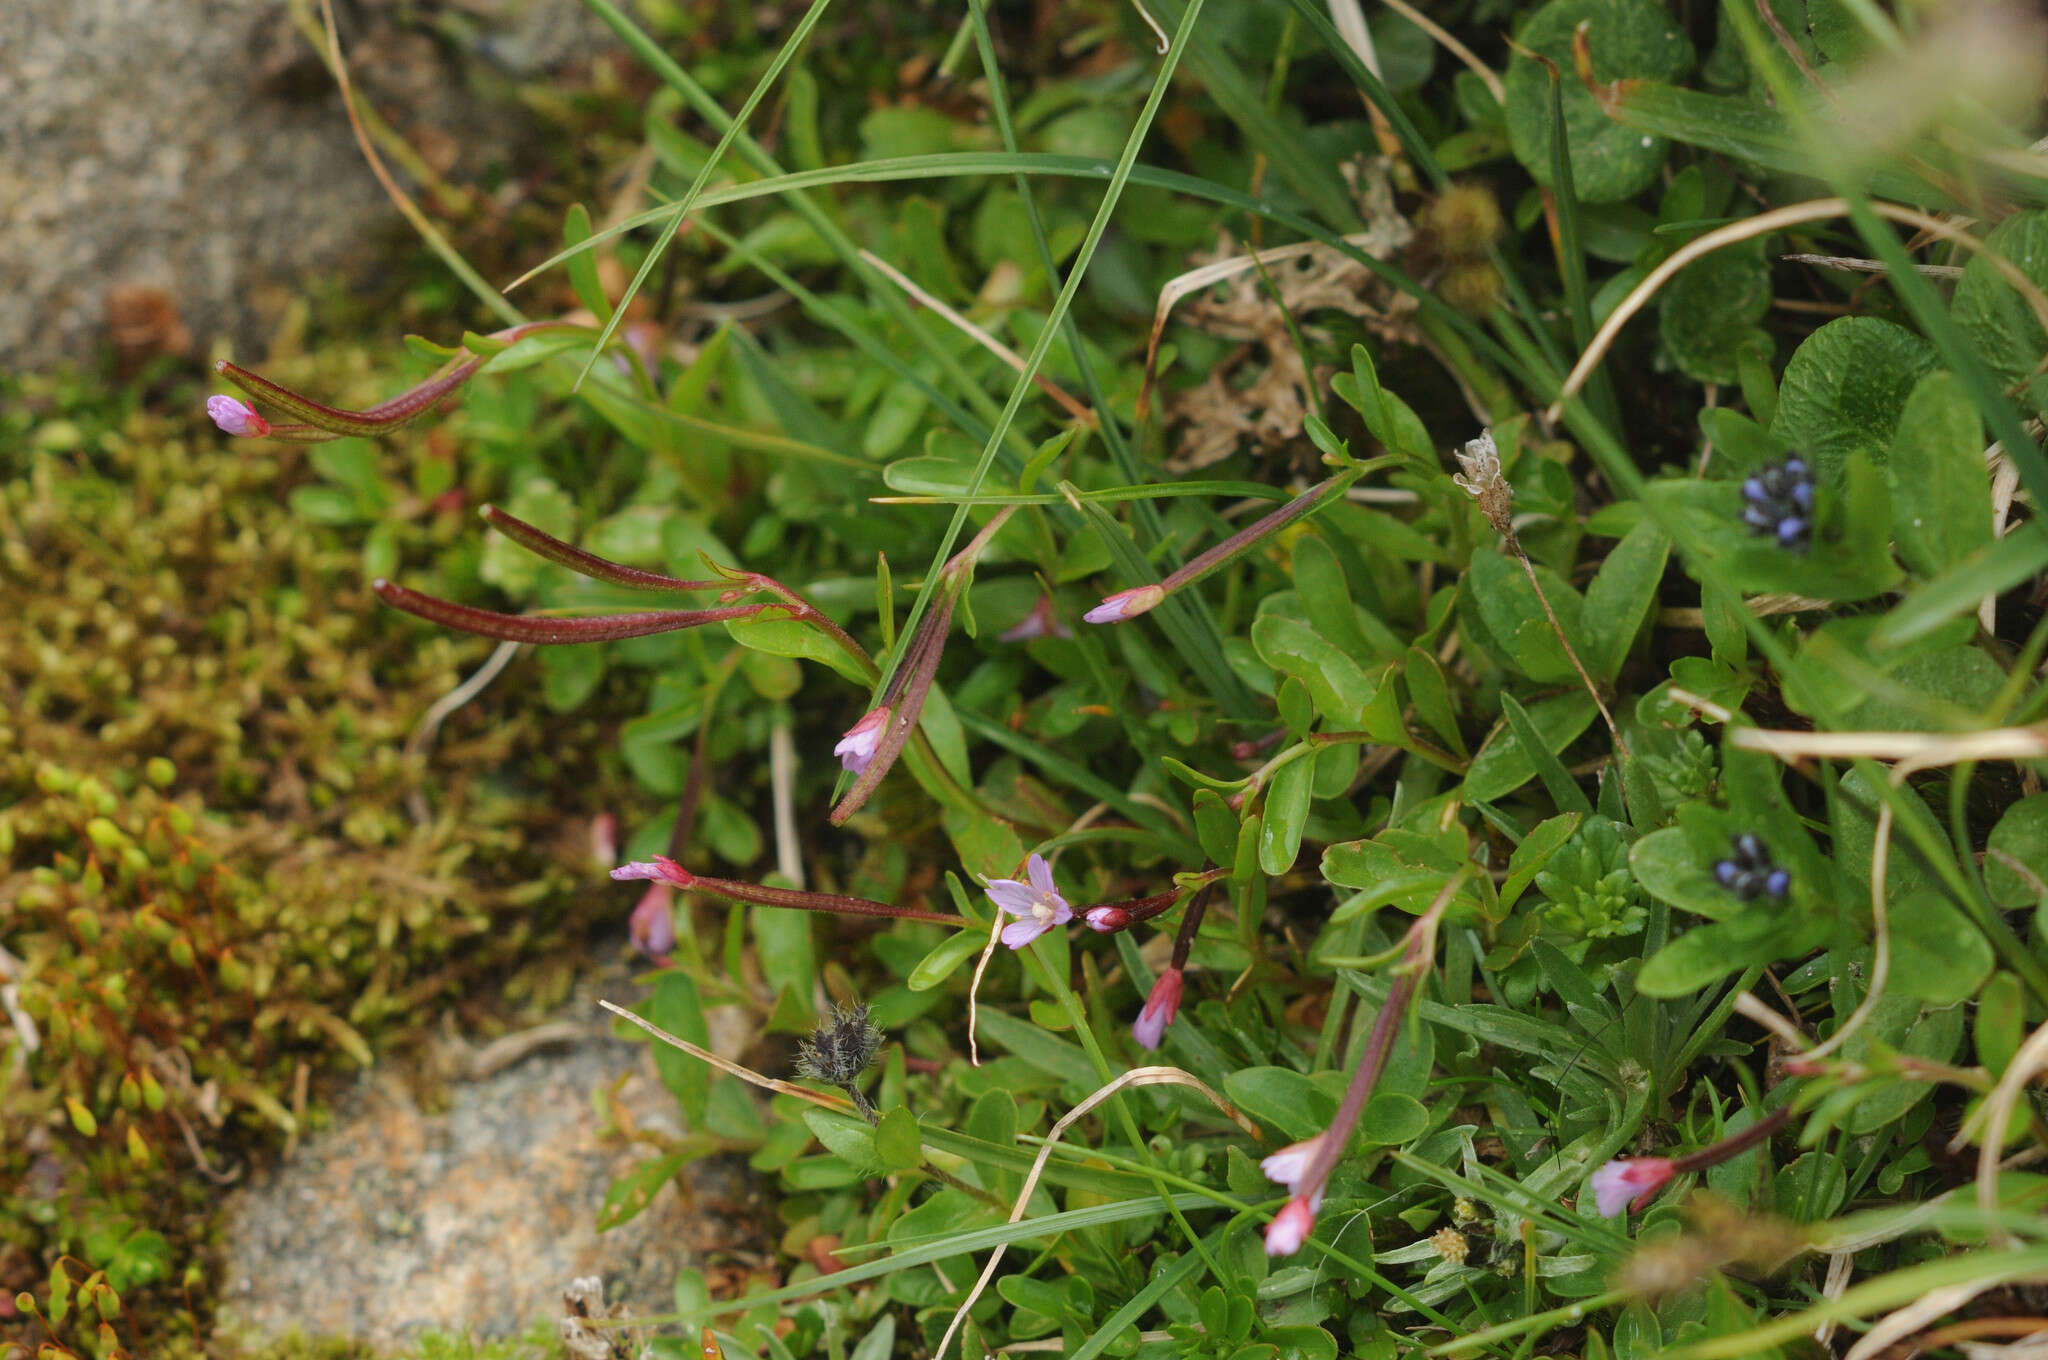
x=221 y=871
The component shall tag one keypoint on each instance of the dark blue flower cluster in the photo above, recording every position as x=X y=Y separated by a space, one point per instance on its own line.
x=1777 y=499
x=1749 y=873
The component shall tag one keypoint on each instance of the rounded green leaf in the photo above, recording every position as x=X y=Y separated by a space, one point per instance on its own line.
x=2016 y=857
x=1710 y=309
x=1845 y=388
x=1938 y=955
x=897 y=1144
x=1628 y=39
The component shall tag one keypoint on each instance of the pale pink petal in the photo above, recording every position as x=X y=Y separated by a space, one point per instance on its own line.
x=235 y=417
x=1626 y=1179
x=1289 y=1164
x=861 y=741
x=1160 y=1008
x=1017 y=934
x=660 y=867
x=1040 y=874
x=1125 y=604
x=1014 y=897
x=1290 y=1228
x=653 y=924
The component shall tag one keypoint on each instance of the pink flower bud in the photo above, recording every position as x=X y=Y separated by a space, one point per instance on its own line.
x=1126 y=604
x=653 y=924
x=1106 y=920
x=235 y=417
x=858 y=746
x=1629 y=1179
x=1160 y=1007
x=1290 y=1228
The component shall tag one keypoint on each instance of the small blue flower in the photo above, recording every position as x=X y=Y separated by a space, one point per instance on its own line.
x=1750 y=873
x=1777 y=500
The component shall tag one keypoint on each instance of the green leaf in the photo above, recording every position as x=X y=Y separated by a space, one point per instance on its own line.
x=570 y=675
x=1534 y=852
x=1993 y=314
x=1709 y=312
x=1504 y=765
x=1430 y=692
x=1942 y=492
x=2001 y=1022
x=2016 y=855
x=629 y=1195
x=1621 y=596
x=1290 y=1101
x=1338 y=684
x=945 y=956
x=1498 y=590
x=1707 y=954
x=1557 y=781
x=849 y=1139
x=1215 y=826
x=1991 y=570
x=674 y=1006
x=1938 y=954
x=1391 y=1119
x=1287 y=804
x=1670 y=867
x=788 y=637
x=1845 y=389
x=1849 y=558
x=898 y=1145
x=583 y=280
x=1629 y=39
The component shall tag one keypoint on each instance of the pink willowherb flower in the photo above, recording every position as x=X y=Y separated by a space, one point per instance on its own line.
x=1161 y=1005
x=1290 y=1228
x=604 y=838
x=1126 y=604
x=1288 y=1165
x=1037 y=902
x=1040 y=622
x=858 y=746
x=236 y=417
x=1629 y=1180
x=661 y=868
x=653 y=923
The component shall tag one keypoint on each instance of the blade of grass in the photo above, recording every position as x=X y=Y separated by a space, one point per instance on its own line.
x=1191 y=618
x=1039 y=348
x=1571 y=258
x=732 y=129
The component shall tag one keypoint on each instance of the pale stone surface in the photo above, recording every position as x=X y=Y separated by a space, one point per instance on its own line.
x=196 y=147
x=473 y=1218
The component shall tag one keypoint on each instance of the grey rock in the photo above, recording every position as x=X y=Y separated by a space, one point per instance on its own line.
x=473 y=1218
x=197 y=151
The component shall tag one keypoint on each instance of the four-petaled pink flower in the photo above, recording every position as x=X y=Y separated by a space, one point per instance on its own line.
x=1126 y=604
x=1290 y=1228
x=1037 y=902
x=236 y=417
x=1160 y=1007
x=858 y=746
x=653 y=923
x=1628 y=1179
x=661 y=868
